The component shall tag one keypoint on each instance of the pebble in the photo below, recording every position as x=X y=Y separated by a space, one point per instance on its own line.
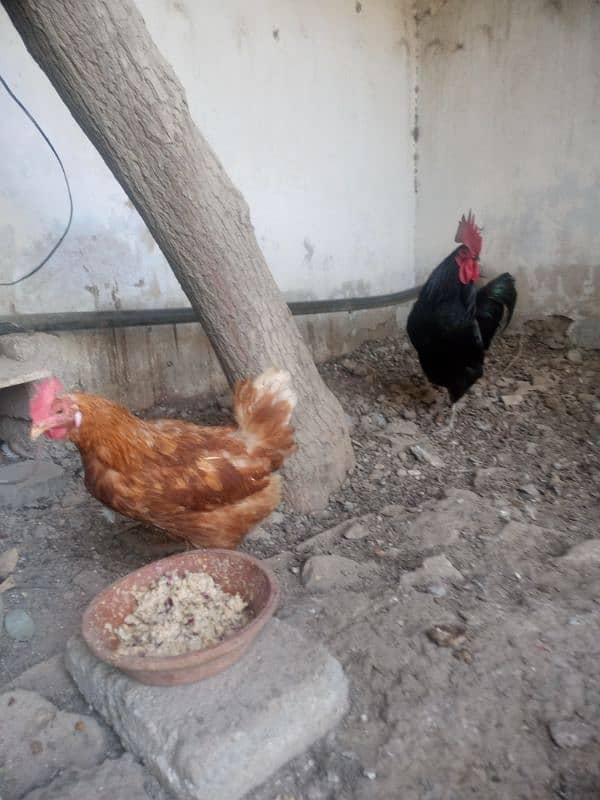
x=19 y=625
x=356 y=531
x=530 y=490
x=587 y=552
x=571 y=733
x=370 y=774
x=511 y=400
x=8 y=562
x=424 y=456
x=575 y=356
x=437 y=589
x=402 y=427
x=447 y=635
x=409 y=413
x=354 y=368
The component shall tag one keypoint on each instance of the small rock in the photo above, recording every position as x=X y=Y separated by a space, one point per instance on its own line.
x=355 y=368
x=409 y=413
x=425 y=456
x=258 y=534
x=541 y=381
x=402 y=427
x=587 y=552
x=370 y=774
x=552 y=402
x=437 y=569
x=511 y=400
x=447 y=635
x=392 y=510
x=19 y=625
x=504 y=459
x=555 y=483
x=586 y=398
x=378 y=420
x=8 y=562
x=571 y=733
x=356 y=531
x=463 y=655
x=575 y=356
x=491 y=477
x=326 y=573
x=530 y=490
x=437 y=589
x=531 y=448
x=398 y=444
x=597 y=419
x=323 y=542
x=276 y=518
x=8 y=583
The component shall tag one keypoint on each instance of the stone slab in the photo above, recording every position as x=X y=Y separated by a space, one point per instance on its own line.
x=48 y=678
x=114 y=779
x=22 y=489
x=37 y=740
x=222 y=737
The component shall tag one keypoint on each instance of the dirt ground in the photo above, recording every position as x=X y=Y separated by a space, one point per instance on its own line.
x=489 y=531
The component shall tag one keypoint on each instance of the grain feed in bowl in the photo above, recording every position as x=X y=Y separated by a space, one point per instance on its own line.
x=179 y=614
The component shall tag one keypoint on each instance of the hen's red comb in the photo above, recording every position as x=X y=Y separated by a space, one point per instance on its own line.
x=41 y=402
x=469 y=234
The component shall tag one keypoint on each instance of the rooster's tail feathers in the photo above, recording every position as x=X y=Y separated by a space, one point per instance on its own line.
x=493 y=300
x=263 y=409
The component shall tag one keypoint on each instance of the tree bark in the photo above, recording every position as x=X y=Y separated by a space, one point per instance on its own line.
x=126 y=97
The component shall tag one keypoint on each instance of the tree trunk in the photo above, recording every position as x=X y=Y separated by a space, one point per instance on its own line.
x=128 y=100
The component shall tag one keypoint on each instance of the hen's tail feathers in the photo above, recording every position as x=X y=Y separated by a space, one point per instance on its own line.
x=493 y=300
x=263 y=409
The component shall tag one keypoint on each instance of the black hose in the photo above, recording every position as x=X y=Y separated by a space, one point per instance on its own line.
x=94 y=320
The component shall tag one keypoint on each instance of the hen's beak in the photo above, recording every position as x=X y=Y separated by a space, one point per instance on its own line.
x=36 y=432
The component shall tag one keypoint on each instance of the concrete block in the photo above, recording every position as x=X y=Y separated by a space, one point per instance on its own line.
x=113 y=779
x=224 y=736
x=22 y=488
x=37 y=740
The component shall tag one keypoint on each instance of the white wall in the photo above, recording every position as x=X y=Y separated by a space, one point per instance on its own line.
x=308 y=105
x=509 y=124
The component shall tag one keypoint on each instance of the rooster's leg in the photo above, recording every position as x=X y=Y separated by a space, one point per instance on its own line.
x=447 y=430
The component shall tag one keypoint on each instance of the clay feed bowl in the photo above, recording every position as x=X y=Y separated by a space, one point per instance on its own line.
x=234 y=572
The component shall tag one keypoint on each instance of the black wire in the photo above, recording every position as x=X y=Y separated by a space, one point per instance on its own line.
x=51 y=146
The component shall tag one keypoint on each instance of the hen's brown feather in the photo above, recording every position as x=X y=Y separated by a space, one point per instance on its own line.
x=206 y=485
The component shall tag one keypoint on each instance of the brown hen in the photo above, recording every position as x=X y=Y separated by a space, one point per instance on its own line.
x=207 y=485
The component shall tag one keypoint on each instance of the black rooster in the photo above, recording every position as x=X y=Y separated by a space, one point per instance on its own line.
x=452 y=324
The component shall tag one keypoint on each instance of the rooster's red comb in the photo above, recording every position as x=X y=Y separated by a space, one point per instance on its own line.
x=41 y=402
x=469 y=234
